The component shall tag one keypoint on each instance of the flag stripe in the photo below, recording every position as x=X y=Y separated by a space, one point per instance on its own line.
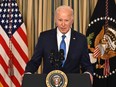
x=19 y=49
x=18 y=57
x=4 y=65
x=17 y=75
x=18 y=41
x=96 y=52
x=15 y=81
x=22 y=44
x=22 y=35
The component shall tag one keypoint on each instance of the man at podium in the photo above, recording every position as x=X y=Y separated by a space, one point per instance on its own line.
x=61 y=48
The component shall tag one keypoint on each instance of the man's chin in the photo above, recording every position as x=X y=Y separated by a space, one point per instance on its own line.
x=64 y=31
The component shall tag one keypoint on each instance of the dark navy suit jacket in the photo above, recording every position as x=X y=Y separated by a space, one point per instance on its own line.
x=77 y=54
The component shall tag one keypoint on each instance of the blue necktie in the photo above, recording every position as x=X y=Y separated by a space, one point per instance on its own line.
x=63 y=46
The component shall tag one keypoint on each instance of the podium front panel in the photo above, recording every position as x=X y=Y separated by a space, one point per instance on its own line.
x=39 y=80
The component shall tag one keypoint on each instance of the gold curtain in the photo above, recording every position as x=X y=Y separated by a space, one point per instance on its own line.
x=38 y=16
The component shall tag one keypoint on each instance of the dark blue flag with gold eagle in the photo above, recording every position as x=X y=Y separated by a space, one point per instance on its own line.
x=101 y=36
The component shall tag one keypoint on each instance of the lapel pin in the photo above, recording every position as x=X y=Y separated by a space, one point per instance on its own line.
x=74 y=38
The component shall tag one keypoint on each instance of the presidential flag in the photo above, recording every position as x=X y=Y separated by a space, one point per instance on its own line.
x=101 y=36
x=13 y=44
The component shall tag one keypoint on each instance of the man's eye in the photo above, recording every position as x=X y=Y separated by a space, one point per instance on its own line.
x=66 y=20
x=60 y=19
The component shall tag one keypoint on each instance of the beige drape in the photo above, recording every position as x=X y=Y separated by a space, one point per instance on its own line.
x=38 y=16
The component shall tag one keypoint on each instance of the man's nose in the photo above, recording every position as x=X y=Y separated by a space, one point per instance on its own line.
x=63 y=23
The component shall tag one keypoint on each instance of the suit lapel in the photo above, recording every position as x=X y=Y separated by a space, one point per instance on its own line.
x=54 y=43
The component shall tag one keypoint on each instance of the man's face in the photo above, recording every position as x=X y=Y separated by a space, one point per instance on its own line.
x=64 y=20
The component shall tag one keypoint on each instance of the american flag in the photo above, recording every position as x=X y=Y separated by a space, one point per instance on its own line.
x=13 y=44
x=97 y=52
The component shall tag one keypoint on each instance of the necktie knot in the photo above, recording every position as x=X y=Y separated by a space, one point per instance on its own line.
x=63 y=37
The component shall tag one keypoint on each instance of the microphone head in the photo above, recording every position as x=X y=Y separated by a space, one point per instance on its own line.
x=61 y=52
x=51 y=56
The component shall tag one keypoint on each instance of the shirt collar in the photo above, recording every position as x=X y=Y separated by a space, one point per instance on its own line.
x=68 y=34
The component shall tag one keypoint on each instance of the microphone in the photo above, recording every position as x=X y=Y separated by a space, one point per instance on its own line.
x=61 y=57
x=51 y=57
x=61 y=54
x=56 y=58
